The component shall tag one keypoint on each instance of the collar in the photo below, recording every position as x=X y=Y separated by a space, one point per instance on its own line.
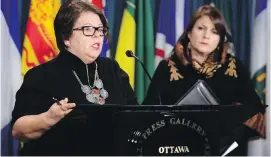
x=70 y=61
x=208 y=68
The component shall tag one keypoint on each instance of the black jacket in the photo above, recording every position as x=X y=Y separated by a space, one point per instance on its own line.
x=56 y=79
x=230 y=82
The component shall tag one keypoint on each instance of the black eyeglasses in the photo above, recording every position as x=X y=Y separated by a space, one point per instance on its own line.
x=90 y=30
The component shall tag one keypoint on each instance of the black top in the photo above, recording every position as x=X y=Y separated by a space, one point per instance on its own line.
x=56 y=79
x=229 y=81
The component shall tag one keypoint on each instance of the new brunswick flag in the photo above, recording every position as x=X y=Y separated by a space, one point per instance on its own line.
x=39 y=42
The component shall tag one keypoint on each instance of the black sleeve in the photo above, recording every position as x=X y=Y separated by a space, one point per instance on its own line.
x=242 y=133
x=31 y=98
x=159 y=79
x=251 y=100
x=127 y=90
x=249 y=95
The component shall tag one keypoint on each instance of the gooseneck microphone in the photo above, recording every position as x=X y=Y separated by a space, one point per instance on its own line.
x=130 y=53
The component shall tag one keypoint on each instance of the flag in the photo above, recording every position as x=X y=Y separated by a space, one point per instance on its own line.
x=259 y=55
x=144 y=47
x=10 y=70
x=101 y=4
x=110 y=13
x=39 y=42
x=170 y=27
x=126 y=41
x=225 y=8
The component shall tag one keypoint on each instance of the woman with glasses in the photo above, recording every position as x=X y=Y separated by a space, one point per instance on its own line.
x=78 y=75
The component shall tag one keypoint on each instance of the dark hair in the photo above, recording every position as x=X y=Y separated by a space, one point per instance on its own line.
x=66 y=17
x=220 y=25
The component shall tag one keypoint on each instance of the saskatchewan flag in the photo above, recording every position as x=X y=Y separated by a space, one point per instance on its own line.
x=144 y=47
x=127 y=38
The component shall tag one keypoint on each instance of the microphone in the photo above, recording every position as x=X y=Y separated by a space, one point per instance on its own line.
x=130 y=53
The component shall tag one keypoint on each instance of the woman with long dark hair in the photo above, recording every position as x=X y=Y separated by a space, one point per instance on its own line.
x=204 y=51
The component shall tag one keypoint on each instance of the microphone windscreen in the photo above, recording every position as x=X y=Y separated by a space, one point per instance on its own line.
x=129 y=53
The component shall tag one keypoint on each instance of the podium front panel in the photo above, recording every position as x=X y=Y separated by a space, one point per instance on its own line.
x=153 y=133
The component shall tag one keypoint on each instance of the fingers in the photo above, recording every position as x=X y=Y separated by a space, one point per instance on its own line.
x=59 y=110
x=68 y=111
x=65 y=106
x=64 y=101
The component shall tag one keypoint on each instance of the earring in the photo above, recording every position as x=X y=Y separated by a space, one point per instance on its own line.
x=188 y=49
x=189 y=45
x=67 y=44
x=225 y=39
